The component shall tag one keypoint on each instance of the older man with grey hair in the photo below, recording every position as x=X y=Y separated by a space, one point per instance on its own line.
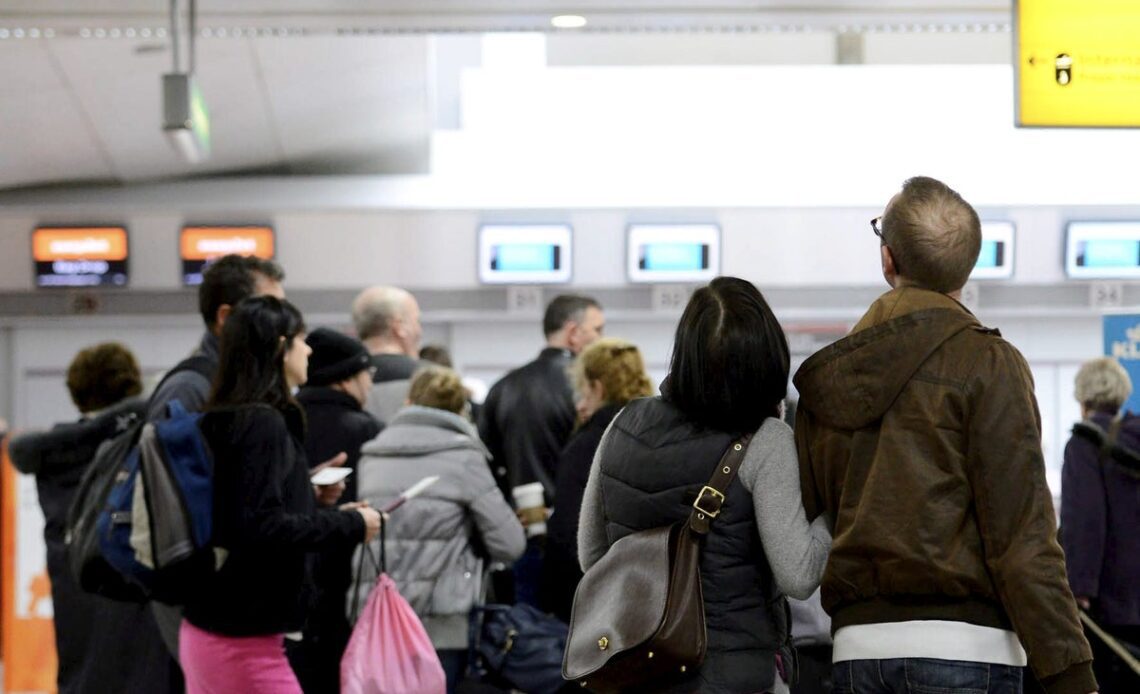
x=1100 y=483
x=387 y=321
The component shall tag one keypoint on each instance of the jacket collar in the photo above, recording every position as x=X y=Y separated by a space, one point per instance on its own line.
x=905 y=300
x=209 y=346
x=417 y=430
x=852 y=382
x=551 y=353
x=323 y=395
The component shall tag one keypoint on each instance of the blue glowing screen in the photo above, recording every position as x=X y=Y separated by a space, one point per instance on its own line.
x=991 y=255
x=674 y=256
x=1108 y=253
x=525 y=257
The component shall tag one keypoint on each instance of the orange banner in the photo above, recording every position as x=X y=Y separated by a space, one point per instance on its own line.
x=92 y=243
x=204 y=243
x=28 y=636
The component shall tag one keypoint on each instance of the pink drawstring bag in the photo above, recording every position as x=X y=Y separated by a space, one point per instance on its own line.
x=389 y=651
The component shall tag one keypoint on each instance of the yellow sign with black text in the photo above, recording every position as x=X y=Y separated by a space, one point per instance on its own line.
x=1078 y=63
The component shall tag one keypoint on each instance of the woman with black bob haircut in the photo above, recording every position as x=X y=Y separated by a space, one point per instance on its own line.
x=266 y=522
x=728 y=377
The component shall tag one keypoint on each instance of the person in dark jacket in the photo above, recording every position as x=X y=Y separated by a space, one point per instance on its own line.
x=920 y=435
x=727 y=378
x=340 y=378
x=266 y=522
x=528 y=415
x=1100 y=515
x=102 y=645
x=607 y=375
x=527 y=419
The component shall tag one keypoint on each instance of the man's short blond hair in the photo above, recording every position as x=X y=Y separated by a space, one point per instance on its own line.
x=376 y=309
x=934 y=235
x=1102 y=385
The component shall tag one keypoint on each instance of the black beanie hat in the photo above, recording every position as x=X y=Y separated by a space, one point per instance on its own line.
x=335 y=357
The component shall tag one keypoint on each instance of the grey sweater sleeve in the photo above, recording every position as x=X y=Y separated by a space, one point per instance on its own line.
x=592 y=542
x=796 y=550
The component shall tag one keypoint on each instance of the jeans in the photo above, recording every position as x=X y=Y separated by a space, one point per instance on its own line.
x=925 y=676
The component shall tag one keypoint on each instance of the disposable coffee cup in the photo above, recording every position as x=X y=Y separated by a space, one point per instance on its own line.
x=530 y=500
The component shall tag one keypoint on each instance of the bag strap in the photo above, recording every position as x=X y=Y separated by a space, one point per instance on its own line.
x=379 y=566
x=706 y=506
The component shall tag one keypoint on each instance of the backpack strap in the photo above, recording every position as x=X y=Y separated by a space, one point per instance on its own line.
x=707 y=505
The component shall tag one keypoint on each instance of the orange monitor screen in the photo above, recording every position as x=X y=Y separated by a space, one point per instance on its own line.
x=80 y=256
x=200 y=245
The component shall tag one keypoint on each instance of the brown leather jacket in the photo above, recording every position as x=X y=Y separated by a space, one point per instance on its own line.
x=919 y=434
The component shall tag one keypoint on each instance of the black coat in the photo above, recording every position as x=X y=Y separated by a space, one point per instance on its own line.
x=560 y=569
x=336 y=423
x=527 y=419
x=103 y=645
x=265 y=517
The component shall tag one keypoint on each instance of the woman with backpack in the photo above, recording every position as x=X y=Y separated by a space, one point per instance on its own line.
x=728 y=378
x=266 y=521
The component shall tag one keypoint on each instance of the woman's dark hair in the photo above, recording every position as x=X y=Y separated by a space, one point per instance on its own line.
x=730 y=358
x=254 y=340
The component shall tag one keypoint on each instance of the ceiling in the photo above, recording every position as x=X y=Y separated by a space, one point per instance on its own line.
x=334 y=87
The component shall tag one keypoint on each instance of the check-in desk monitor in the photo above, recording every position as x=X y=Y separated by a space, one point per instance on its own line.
x=201 y=244
x=1103 y=250
x=525 y=254
x=673 y=252
x=995 y=261
x=80 y=256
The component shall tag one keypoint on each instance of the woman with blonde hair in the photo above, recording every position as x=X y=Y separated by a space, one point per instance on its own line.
x=431 y=539
x=606 y=375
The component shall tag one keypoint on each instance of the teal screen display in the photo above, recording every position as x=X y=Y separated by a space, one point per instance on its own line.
x=673 y=256
x=992 y=254
x=1108 y=253
x=525 y=257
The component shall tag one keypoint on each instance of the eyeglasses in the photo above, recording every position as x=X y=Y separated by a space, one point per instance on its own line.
x=877 y=226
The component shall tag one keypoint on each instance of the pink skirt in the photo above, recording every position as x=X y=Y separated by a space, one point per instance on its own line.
x=216 y=664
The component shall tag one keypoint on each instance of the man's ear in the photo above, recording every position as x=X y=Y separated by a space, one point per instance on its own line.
x=220 y=317
x=890 y=269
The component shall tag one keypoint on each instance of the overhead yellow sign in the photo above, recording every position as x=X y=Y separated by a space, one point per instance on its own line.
x=1078 y=63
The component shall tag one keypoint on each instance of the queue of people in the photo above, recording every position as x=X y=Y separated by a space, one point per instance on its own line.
x=911 y=489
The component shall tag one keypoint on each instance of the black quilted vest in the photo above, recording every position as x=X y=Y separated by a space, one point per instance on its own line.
x=654 y=465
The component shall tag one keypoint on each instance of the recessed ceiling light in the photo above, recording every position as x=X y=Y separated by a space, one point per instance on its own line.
x=568 y=21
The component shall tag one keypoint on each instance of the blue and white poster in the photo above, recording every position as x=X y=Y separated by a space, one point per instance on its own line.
x=1122 y=340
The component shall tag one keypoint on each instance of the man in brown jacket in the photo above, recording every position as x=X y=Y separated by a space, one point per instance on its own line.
x=919 y=435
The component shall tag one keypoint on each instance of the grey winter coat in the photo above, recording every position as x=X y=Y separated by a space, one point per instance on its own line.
x=431 y=539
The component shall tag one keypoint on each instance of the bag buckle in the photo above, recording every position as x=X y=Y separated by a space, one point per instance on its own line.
x=717 y=498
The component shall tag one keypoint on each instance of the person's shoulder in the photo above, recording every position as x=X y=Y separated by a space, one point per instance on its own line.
x=363 y=423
